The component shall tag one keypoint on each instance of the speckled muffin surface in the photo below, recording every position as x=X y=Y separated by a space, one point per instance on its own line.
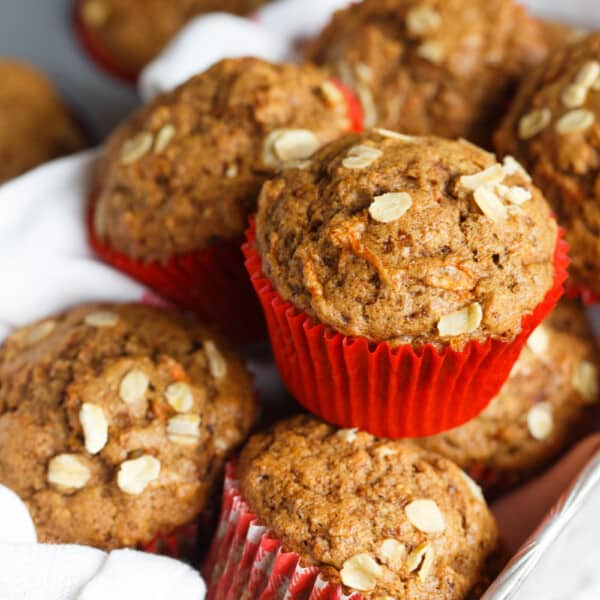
x=35 y=126
x=408 y=240
x=547 y=399
x=115 y=421
x=133 y=32
x=442 y=67
x=554 y=130
x=187 y=169
x=385 y=518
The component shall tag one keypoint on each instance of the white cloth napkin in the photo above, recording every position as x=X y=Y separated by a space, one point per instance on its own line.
x=30 y=571
x=272 y=34
x=45 y=261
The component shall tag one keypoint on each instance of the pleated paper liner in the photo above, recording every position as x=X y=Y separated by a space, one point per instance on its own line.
x=390 y=392
x=96 y=50
x=212 y=283
x=182 y=543
x=246 y=563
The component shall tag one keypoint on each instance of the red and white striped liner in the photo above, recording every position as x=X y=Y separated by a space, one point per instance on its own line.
x=245 y=562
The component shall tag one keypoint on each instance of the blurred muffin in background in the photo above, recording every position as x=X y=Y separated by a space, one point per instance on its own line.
x=35 y=125
x=548 y=400
x=442 y=67
x=127 y=34
x=553 y=129
x=179 y=178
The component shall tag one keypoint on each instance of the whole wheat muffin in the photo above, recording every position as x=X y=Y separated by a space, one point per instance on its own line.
x=540 y=409
x=186 y=170
x=115 y=421
x=408 y=240
x=554 y=130
x=442 y=67
x=35 y=125
x=385 y=518
x=133 y=32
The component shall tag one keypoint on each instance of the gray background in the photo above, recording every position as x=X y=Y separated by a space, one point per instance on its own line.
x=40 y=31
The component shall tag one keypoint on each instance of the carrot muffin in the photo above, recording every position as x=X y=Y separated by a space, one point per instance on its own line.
x=408 y=240
x=133 y=32
x=35 y=126
x=186 y=170
x=554 y=130
x=383 y=518
x=442 y=67
x=541 y=408
x=116 y=420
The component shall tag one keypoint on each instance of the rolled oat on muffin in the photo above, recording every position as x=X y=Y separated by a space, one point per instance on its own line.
x=179 y=177
x=344 y=512
x=548 y=400
x=441 y=67
x=553 y=128
x=419 y=266
x=35 y=125
x=125 y=35
x=116 y=421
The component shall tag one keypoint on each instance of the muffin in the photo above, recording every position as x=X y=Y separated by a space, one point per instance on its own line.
x=179 y=178
x=419 y=266
x=343 y=511
x=125 y=35
x=442 y=67
x=116 y=420
x=560 y=34
x=553 y=129
x=542 y=407
x=35 y=125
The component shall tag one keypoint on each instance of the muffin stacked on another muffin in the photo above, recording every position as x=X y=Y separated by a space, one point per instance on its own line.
x=547 y=401
x=379 y=517
x=553 y=128
x=115 y=421
x=442 y=67
x=414 y=249
x=132 y=32
x=35 y=125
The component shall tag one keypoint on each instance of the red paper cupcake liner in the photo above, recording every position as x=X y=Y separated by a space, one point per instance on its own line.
x=180 y=543
x=577 y=292
x=96 y=51
x=355 y=112
x=246 y=562
x=212 y=283
x=390 y=392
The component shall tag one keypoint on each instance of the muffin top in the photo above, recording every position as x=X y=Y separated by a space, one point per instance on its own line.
x=135 y=31
x=442 y=67
x=187 y=169
x=35 y=126
x=541 y=406
x=385 y=518
x=408 y=240
x=115 y=421
x=554 y=129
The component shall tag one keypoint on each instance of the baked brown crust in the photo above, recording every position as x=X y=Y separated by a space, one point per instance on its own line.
x=432 y=66
x=326 y=250
x=35 y=126
x=219 y=128
x=51 y=369
x=556 y=370
x=564 y=164
x=331 y=495
x=135 y=31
